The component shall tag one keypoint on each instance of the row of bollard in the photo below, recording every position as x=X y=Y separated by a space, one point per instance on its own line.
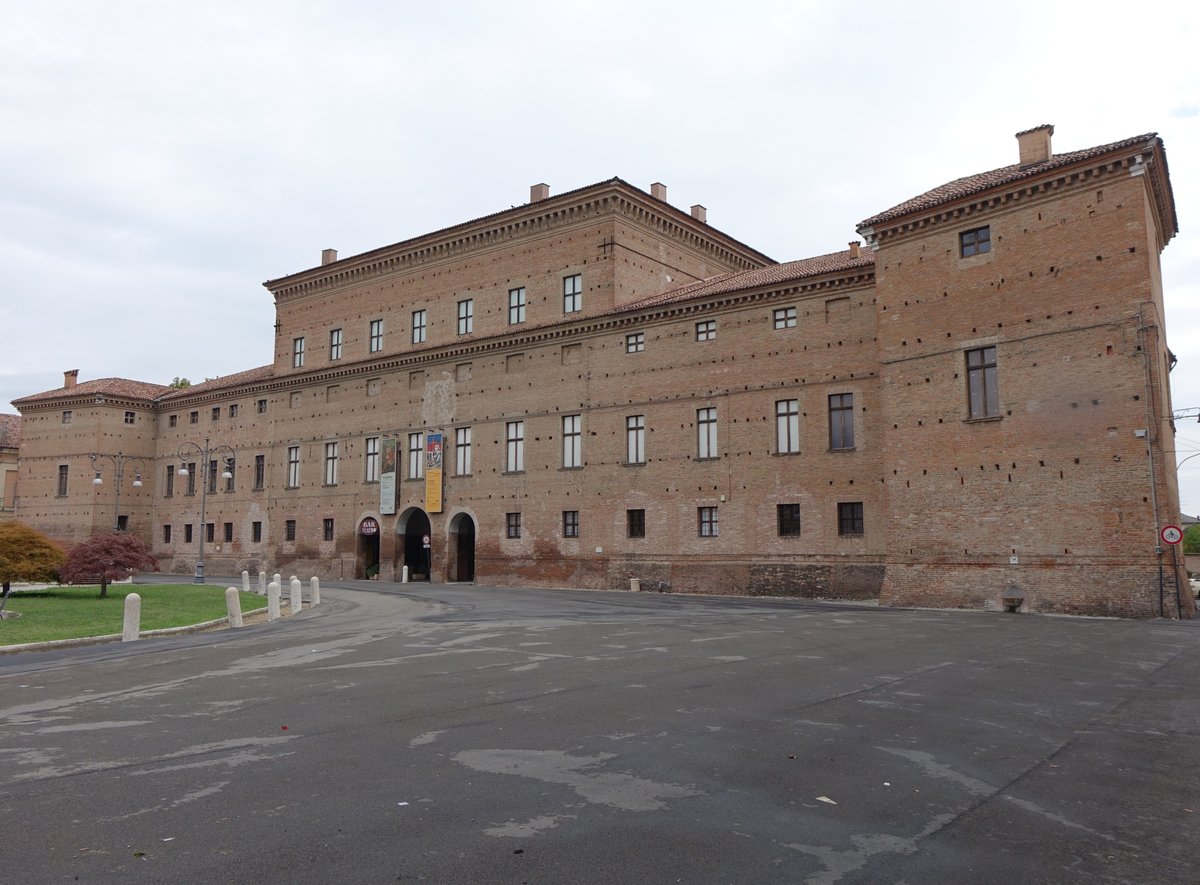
x=131 y=627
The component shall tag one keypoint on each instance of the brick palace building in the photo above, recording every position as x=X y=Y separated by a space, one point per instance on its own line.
x=597 y=386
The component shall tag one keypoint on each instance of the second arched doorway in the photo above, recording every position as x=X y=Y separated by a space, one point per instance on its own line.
x=413 y=528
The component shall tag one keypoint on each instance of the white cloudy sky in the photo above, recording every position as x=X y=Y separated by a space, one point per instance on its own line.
x=159 y=160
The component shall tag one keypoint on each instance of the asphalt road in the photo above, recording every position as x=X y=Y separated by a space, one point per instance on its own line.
x=467 y=734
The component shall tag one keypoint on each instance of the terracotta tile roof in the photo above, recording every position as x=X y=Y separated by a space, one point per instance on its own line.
x=775 y=274
x=250 y=376
x=121 y=388
x=974 y=184
x=10 y=431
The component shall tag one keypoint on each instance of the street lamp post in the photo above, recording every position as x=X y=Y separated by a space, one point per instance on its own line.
x=191 y=449
x=119 y=460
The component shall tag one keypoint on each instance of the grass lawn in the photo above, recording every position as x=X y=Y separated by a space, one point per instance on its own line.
x=71 y=612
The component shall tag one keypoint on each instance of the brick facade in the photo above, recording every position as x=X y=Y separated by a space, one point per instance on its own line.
x=799 y=429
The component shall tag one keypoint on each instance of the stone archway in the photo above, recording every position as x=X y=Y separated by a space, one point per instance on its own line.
x=462 y=548
x=411 y=529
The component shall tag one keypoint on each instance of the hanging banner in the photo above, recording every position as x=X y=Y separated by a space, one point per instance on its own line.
x=387 y=478
x=433 y=472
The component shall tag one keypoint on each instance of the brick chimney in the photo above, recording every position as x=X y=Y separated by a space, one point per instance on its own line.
x=538 y=192
x=70 y=378
x=1034 y=144
x=854 y=247
x=700 y=213
x=658 y=190
x=328 y=256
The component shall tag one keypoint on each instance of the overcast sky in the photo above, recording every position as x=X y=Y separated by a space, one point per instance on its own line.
x=159 y=160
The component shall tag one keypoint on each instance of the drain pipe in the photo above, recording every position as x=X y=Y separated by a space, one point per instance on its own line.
x=1150 y=431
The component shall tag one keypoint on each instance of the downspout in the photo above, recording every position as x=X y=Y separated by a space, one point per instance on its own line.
x=1151 y=431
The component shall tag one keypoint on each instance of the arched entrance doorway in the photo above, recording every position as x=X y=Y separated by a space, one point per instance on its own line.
x=462 y=543
x=413 y=527
x=366 y=563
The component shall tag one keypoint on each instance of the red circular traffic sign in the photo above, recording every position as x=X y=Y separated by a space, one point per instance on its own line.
x=1171 y=534
x=425 y=540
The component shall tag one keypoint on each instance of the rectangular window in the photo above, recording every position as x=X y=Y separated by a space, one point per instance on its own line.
x=331 y=463
x=297 y=353
x=706 y=433
x=706 y=330
x=335 y=344
x=850 y=518
x=212 y=477
x=635 y=523
x=516 y=306
x=512 y=525
x=260 y=471
x=418 y=327
x=256 y=531
x=228 y=531
x=191 y=478
x=289 y=530
x=788 y=517
x=327 y=530
x=706 y=518
x=193 y=417
x=787 y=426
x=572 y=293
x=233 y=410
x=166 y=534
x=841 y=421
x=570 y=523
x=514 y=436
x=210 y=532
x=172 y=420
x=262 y=407
x=170 y=484
x=416 y=455
x=63 y=471
x=572 y=440
x=975 y=242
x=371 y=455
x=635 y=439
x=983 y=395
x=187 y=533
x=785 y=318
x=216 y=413
x=130 y=417
x=67 y=416
x=375 y=333
x=635 y=342
x=462 y=451
x=230 y=466
x=466 y=316
x=293 y=467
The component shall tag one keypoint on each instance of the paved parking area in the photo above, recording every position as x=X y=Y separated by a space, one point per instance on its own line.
x=452 y=733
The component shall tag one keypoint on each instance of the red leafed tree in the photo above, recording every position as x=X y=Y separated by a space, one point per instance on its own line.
x=26 y=555
x=104 y=557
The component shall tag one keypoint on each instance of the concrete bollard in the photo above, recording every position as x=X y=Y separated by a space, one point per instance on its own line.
x=404 y=575
x=635 y=585
x=294 y=595
x=314 y=591
x=245 y=581
x=233 y=605
x=133 y=618
x=262 y=583
x=273 y=601
x=278 y=579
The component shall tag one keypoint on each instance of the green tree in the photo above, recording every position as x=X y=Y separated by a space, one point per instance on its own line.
x=179 y=383
x=26 y=555
x=104 y=557
x=1191 y=539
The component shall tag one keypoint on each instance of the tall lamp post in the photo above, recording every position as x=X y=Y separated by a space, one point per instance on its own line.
x=207 y=475
x=119 y=460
